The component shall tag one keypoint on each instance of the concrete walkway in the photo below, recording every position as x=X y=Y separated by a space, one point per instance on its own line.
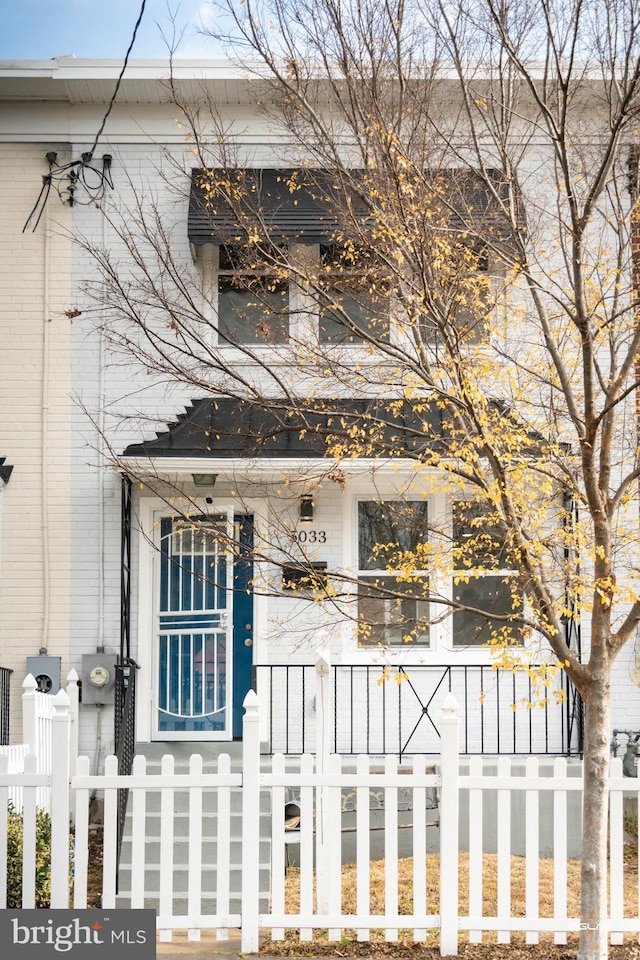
x=207 y=948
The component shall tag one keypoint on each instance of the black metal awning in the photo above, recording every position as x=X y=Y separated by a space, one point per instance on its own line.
x=5 y=470
x=232 y=428
x=286 y=205
x=308 y=206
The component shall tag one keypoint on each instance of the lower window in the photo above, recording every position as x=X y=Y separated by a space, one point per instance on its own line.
x=392 y=612
x=393 y=536
x=493 y=594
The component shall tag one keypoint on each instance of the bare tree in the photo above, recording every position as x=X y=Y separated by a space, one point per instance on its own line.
x=472 y=162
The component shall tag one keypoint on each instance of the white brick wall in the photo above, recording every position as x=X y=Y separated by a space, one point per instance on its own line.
x=32 y=314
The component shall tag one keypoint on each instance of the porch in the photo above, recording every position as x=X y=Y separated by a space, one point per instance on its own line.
x=381 y=710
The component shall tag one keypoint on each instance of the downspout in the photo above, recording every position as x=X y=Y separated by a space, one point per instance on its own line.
x=101 y=428
x=44 y=425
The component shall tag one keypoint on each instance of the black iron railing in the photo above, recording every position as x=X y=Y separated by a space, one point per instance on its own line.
x=125 y=732
x=397 y=710
x=5 y=704
x=125 y=568
x=125 y=690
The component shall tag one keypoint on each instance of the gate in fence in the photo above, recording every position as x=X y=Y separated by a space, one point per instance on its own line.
x=195 y=809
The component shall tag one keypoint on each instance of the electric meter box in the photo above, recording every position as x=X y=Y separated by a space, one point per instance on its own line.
x=46 y=671
x=98 y=677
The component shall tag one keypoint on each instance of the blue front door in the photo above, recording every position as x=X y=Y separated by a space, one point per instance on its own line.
x=205 y=626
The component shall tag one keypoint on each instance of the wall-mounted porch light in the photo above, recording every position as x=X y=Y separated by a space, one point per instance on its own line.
x=204 y=479
x=306 y=508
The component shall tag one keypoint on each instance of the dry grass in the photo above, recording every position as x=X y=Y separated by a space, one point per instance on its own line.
x=349 y=947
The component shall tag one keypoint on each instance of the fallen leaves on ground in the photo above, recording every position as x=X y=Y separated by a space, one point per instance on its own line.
x=348 y=946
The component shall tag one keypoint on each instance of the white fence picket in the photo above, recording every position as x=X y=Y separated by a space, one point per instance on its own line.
x=532 y=851
x=194 y=877
x=333 y=811
x=363 y=846
x=560 y=849
x=37 y=714
x=616 y=850
x=138 y=802
x=278 y=850
x=419 y=849
x=110 y=844
x=449 y=817
x=60 y=806
x=390 y=849
x=223 y=848
x=503 y=849
x=475 y=849
x=29 y=806
x=306 y=844
x=165 y=905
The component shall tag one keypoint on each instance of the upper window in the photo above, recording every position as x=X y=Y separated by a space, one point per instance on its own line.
x=483 y=581
x=352 y=301
x=460 y=306
x=393 y=591
x=253 y=303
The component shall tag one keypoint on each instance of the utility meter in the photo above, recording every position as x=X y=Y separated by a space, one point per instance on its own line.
x=46 y=671
x=98 y=677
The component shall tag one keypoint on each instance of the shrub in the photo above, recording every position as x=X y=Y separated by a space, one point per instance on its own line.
x=14 y=858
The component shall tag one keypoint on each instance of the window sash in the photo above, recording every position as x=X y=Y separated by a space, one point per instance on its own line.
x=490 y=592
x=255 y=310
x=388 y=620
x=359 y=308
x=391 y=609
x=345 y=296
x=383 y=530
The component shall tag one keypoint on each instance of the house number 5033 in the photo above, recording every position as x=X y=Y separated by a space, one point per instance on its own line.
x=310 y=536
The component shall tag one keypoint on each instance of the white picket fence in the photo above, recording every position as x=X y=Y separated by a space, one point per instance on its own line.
x=321 y=784
x=37 y=714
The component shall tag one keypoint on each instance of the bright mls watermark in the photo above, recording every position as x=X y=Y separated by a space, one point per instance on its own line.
x=37 y=934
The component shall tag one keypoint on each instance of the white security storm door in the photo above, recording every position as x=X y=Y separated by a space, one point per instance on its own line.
x=194 y=635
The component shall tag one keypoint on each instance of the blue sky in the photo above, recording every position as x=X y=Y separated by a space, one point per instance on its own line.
x=41 y=29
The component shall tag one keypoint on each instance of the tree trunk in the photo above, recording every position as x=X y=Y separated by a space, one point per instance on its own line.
x=595 y=808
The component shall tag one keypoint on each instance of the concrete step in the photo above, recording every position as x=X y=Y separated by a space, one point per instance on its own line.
x=181 y=824
x=181 y=908
x=181 y=880
x=209 y=802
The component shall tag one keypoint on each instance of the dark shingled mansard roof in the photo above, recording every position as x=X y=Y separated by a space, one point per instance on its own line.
x=229 y=428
